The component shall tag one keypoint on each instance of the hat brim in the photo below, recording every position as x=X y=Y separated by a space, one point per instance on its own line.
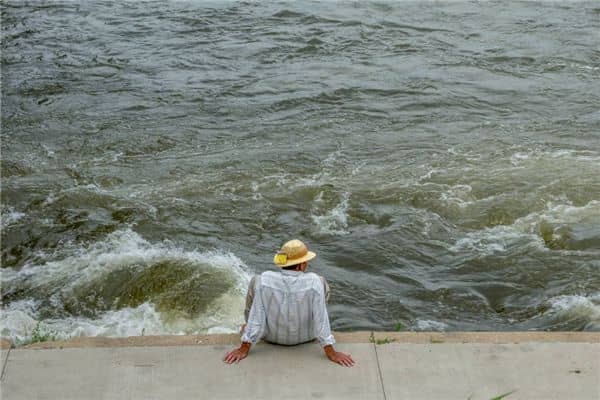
x=307 y=257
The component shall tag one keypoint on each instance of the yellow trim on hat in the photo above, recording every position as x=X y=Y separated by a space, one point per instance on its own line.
x=280 y=258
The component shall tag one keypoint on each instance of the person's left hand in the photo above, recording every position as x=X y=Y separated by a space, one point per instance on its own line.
x=341 y=358
x=236 y=355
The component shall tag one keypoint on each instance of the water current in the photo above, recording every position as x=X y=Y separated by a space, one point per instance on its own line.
x=441 y=158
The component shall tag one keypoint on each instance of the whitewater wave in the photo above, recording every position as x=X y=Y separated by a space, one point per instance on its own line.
x=459 y=195
x=430 y=325
x=61 y=277
x=122 y=247
x=20 y=319
x=10 y=216
x=564 y=226
x=568 y=307
x=334 y=221
x=557 y=227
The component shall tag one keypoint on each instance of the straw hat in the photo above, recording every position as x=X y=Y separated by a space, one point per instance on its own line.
x=292 y=253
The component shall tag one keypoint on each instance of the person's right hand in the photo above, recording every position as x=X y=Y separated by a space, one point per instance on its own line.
x=339 y=357
x=235 y=356
x=238 y=354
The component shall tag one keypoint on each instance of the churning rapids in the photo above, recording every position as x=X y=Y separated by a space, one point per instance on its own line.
x=441 y=158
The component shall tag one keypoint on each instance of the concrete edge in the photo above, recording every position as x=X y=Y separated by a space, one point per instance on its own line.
x=5 y=344
x=378 y=338
x=485 y=337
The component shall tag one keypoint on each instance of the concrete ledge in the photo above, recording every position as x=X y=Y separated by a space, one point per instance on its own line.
x=389 y=365
x=487 y=337
x=341 y=337
x=192 y=372
x=487 y=371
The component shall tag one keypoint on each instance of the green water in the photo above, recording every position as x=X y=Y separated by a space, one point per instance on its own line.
x=440 y=158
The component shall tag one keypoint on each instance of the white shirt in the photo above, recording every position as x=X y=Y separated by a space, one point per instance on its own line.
x=288 y=307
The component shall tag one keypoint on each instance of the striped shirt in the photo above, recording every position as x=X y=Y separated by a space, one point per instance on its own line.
x=287 y=307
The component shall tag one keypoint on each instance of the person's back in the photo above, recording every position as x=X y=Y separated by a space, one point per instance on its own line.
x=292 y=306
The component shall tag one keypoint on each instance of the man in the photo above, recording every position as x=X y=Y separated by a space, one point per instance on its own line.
x=288 y=306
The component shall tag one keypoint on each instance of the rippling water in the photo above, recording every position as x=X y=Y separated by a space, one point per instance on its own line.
x=441 y=158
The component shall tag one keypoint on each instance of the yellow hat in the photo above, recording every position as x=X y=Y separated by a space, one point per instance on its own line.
x=292 y=253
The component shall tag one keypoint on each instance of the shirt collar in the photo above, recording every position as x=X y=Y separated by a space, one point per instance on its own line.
x=290 y=273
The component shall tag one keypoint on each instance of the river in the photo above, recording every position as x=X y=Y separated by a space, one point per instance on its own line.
x=441 y=158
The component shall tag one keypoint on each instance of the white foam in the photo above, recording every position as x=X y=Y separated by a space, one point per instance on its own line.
x=326 y=175
x=356 y=169
x=576 y=306
x=459 y=195
x=571 y=302
x=18 y=319
x=49 y=152
x=494 y=240
x=525 y=230
x=141 y=320
x=9 y=216
x=519 y=158
x=430 y=325
x=560 y=214
x=51 y=198
x=256 y=195
x=335 y=221
x=124 y=247
x=585 y=67
x=331 y=158
x=427 y=175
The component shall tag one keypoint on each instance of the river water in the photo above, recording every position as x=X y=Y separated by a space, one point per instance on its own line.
x=441 y=158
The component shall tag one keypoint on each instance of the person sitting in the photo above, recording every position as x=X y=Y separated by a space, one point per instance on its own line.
x=288 y=306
